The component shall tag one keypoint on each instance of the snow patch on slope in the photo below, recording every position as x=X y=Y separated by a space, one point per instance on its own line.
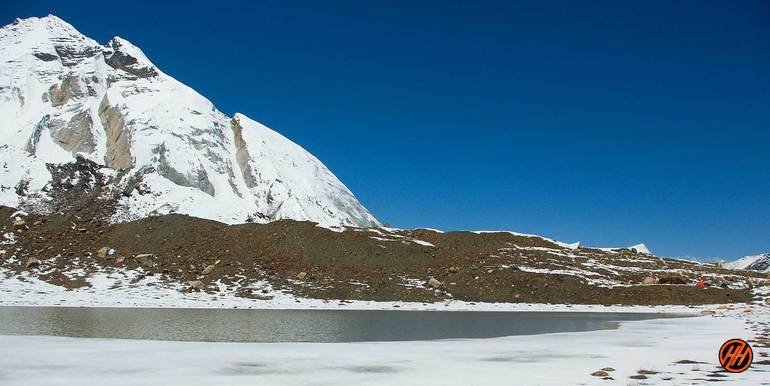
x=562 y=244
x=638 y=248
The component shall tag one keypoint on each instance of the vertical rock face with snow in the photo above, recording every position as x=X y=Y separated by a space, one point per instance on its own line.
x=163 y=145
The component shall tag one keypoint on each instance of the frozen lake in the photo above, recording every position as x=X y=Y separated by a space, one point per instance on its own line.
x=239 y=325
x=544 y=359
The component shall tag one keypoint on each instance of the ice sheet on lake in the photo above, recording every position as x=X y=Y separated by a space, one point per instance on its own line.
x=550 y=359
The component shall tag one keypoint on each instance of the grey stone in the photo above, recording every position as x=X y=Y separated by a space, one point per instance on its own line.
x=199 y=180
x=145 y=259
x=36 y=132
x=196 y=284
x=102 y=252
x=209 y=269
x=46 y=57
x=59 y=94
x=32 y=262
x=72 y=55
x=76 y=135
x=433 y=283
x=118 y=155
x=242 y=156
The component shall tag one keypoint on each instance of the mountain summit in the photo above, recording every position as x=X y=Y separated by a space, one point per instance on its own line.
x=104 y=118
x=759 y=263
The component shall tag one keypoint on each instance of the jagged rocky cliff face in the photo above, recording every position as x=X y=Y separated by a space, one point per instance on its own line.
x=159 y=144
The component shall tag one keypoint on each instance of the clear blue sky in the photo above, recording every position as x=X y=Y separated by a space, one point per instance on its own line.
x=608 y=122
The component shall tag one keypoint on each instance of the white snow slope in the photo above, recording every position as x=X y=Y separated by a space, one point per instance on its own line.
x=64 y=95
x=760 y=263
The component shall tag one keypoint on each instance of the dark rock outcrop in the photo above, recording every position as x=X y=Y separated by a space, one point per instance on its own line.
x=46 y=57
x=123 y=61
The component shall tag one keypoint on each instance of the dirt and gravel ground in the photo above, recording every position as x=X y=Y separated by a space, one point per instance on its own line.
x=356 y=264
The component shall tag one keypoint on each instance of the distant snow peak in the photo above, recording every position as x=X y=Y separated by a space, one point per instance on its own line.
x=575 y=245
x=166 y=148
x=759 y=263
x=640 y=248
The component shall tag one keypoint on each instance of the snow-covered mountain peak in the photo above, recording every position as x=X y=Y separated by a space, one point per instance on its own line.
x=760 y=263
x=48 y=38
x=166 y=148
x=50 y=25
x=640 y=248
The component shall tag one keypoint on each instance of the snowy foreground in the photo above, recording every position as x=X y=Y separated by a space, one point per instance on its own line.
x=549 y=359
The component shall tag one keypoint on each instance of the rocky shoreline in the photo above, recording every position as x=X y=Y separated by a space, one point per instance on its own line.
x=300 y=259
